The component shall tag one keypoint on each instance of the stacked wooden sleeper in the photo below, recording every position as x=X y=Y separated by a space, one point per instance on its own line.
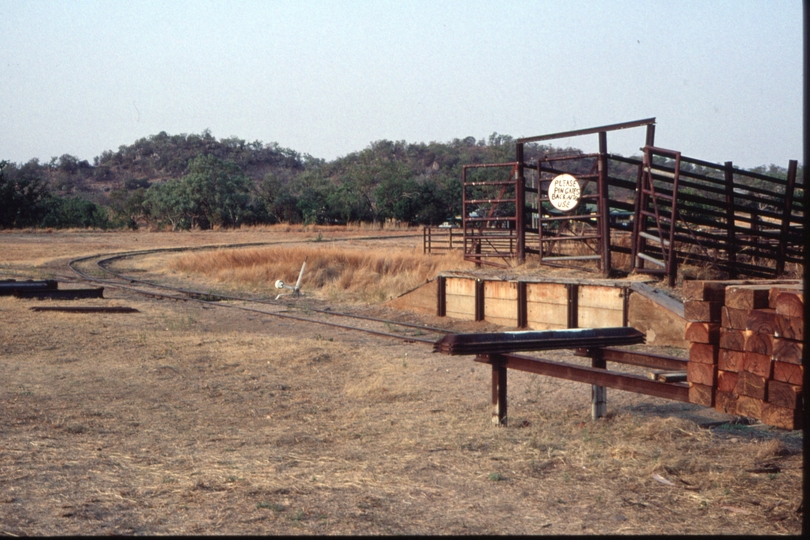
x=745 y=351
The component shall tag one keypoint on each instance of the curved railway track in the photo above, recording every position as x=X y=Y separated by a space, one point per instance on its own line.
x=97 y=269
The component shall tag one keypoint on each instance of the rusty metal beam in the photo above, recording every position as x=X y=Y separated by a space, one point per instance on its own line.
x=786 y=215
x=604 y=205
x=594 y=376
x=520 y=205
x=657 y=361
x=62 y=294
x=541 y=340
x=588 y=131
x=86 y=309
x=10 y=286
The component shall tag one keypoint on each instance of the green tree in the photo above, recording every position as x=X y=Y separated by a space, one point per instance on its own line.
x=23 y=198
x=129 y=206
x=218 y=191
x=75 y=212
x=168 y=203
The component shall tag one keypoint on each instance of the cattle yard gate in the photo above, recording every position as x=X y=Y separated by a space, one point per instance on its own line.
x=658 y=212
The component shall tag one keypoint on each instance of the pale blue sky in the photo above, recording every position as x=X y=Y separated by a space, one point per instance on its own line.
x=723 y=78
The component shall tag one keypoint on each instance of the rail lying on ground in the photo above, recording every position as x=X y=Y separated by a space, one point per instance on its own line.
x=127 y=282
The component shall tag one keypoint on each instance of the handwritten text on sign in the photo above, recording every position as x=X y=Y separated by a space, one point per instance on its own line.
x=564 y=192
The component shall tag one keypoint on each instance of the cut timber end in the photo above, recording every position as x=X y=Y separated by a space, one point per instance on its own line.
x=790 y=304
x=747 y=297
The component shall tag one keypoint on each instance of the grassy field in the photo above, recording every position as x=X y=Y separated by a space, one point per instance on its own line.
x=336 y=273
x=186 y=418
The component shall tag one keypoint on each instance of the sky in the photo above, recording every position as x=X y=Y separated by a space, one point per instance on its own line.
x=327 y=78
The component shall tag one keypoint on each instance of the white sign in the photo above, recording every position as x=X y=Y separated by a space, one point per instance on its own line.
x=564 y=192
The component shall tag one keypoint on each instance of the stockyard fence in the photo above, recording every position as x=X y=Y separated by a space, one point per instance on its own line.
x=662 y=211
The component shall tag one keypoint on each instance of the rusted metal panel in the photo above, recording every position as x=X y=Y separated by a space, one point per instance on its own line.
x=547 y=316
x=501 y=290
x=547 y=306
x=460 y=298
x=460 y=286
x=599 y=307
x=479 y=300
x=600 y=297
x=500 y=302
x=547 y=293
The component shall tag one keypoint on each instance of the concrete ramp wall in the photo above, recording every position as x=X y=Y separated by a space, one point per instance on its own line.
x=549 y=305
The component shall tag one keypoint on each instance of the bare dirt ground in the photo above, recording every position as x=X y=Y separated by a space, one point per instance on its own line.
x=185 y=418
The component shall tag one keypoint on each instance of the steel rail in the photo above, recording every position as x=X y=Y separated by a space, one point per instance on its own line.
x=199 y=296
x=194 y=293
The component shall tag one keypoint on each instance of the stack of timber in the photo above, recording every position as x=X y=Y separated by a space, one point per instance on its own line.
x=745 y=348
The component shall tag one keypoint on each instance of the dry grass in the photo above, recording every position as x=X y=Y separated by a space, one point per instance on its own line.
x=189 y=419
x=337 y=273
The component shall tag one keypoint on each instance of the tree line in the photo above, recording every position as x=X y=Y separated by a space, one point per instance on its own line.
x=191 y=181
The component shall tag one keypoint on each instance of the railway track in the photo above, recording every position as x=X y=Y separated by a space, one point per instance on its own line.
x=97 y=269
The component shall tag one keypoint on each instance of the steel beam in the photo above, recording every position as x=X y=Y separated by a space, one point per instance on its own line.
x=594 y=376
x=588 y=131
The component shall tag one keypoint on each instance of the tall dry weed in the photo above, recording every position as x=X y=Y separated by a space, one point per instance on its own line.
x=367 y=275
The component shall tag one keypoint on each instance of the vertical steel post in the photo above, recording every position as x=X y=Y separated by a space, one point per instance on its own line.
x=441 y=296
x=625 y=305
x=604 y=203
x=573 y=304
x=520 y=205
x=464 y=209
x=786 y=215
x=635 y=238
x=522 y=308
x=598 y=393
x=731 y=237
x=672 y=259
x=498 y=390
x=540 y=210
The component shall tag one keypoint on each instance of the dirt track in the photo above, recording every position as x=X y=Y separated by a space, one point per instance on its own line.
x=190 y=419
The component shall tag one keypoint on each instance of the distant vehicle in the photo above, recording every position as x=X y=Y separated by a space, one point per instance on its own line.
x=448 y=225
